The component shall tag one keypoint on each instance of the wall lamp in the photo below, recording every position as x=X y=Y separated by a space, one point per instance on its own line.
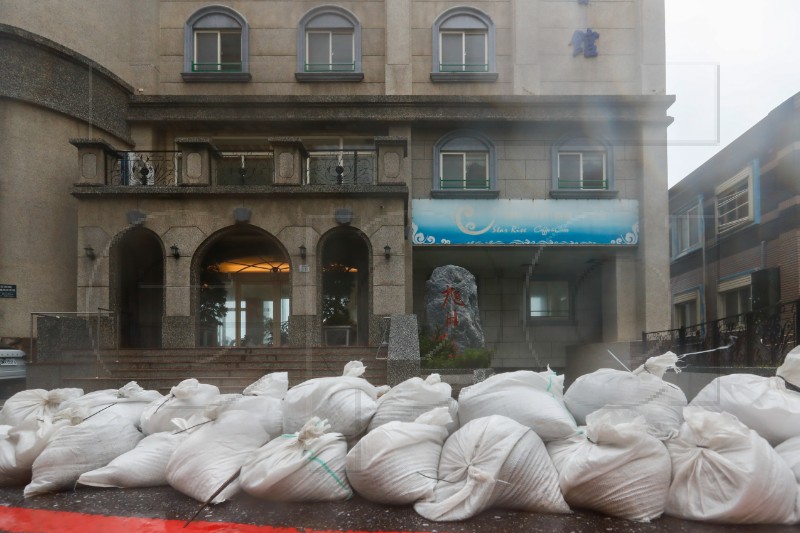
x=90 y=253
x=387 y=251
x=303 y=252
x=176 y=253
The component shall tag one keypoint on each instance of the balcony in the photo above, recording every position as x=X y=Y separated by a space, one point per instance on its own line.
x=286 y=162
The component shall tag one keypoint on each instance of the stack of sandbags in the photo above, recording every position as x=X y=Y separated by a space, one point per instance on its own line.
x=534 y=399
x=397 y=463
x=413 y=397
x=616 y=467
x=307 y=466
x=146 y=464
x=189 y=397
x=75 y=449
x=209 y=458
x=128 y=402
x=35 y=403
x=22 y=444
x=642 y=390
x=724 y=472
x=493 y=462
x=347 y=402
x=789 y=450
x=262 y=399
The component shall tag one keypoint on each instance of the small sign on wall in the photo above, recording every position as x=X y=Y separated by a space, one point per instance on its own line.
x=8 y=291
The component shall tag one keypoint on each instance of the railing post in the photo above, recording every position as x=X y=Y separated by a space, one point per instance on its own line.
x=288 y=155
x=750 y=337
x=197 y=155
x=682 y=340
x=93 y=160
x=393 y=165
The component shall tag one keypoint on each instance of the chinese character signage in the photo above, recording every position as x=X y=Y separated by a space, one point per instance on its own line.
x=564 y=222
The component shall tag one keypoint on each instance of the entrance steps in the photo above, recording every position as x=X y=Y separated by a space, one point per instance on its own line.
x=230 y=369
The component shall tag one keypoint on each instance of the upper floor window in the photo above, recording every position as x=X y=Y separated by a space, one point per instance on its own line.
x=685 y=309
x=734 y=298
x=464 y=162
x=216 y=46
x=329 y=46
x=686 y=228
x=734 y=203
x=463 y=46
x=582 y=167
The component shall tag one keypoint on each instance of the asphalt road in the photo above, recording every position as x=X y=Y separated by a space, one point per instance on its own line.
x=25 y=516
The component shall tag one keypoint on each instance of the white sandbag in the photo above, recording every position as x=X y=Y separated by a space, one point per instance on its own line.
x=724 y=472
x=128 y=402
x=347 y=402
x=273 y=385
x=22 y=445
x=534 y=399
x=789 y=450
x=146 y=464
x=307 y=466
x=266 y=411
x=74 y=450
x=643 y=390
x=616 y=468
x=189 y=397
x=35 y=403
x=790 y=369
x=210 y=456
x=761 y=403
x=493 y=462
x=397 y=463
x=412 y=398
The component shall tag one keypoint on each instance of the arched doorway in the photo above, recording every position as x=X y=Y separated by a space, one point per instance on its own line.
x=244 y=293
x=345 y=290
x=140 y=288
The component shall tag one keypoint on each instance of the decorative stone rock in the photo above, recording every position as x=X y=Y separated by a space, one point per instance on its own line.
x=451 y=306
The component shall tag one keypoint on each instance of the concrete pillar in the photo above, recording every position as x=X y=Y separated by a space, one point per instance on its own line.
x=652 y=38
x=398 y=47
x=527 y=71
x=620 y=322
x=197 y=155
x=394 y=167
x=95 y=160
x=288 y=155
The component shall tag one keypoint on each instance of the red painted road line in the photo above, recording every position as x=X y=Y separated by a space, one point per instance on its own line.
x=19 y=520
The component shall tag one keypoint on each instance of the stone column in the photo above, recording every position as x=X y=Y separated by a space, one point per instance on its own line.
x=620 y=322
x=393 y=163
x=94 y=160
x=398 y=47
x=527 y=71
x=288 y=154
x=197 y=154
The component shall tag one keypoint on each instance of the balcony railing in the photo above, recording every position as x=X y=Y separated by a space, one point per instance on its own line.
x=757 y=339
x=340 y=168
x=330 y=67
x=464 y=185
x=244 y=168
x=145 y=169
x=463 y=67
x=582 y=185
x=217 y=67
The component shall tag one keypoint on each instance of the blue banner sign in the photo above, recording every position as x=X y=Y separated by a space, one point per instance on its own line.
x=561 y=222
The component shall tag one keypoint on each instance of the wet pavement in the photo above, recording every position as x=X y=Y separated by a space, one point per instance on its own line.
x=356 y=515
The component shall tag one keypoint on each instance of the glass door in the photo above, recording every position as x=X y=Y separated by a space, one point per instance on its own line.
x=257 y=313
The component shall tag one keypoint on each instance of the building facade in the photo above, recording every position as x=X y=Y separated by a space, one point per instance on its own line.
x=283 y=173
x=734 y=230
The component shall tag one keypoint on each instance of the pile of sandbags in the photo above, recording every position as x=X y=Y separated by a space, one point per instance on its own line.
x=616 y=467
x=722 y=471
x=643 y=390
x=413 y=397
x=189 y=397
x=347 y=402
x=307 y=466
x=128 y=402
x=35 y=403
x=534 y=399
x=397 y=463
x=490 y=462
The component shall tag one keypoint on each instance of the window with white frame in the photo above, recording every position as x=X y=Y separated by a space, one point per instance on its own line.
x=734 y=297
x=548 y=300
x=464 y=161
x=582 y=167
x=734 y=202
x=686 y=230
x=216 y=46
x=685 y=309
x=463 y=46
x=329 y=45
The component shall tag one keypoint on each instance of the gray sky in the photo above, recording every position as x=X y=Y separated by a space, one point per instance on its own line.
x=747 y=51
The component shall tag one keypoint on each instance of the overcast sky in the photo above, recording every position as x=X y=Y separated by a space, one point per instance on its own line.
x=748 y=51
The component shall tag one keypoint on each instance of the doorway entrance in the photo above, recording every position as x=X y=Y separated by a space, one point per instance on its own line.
x=140 y=288
x=345 y=290
x=245 y=292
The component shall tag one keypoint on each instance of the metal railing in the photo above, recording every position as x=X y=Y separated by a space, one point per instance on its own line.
x=464 y=184
x=330 y=67
x=463 y=67
x=217 y=67
x=759 y=338
x=583 y=185
x=145 y=169
x=341 y=167
x=244 y=168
